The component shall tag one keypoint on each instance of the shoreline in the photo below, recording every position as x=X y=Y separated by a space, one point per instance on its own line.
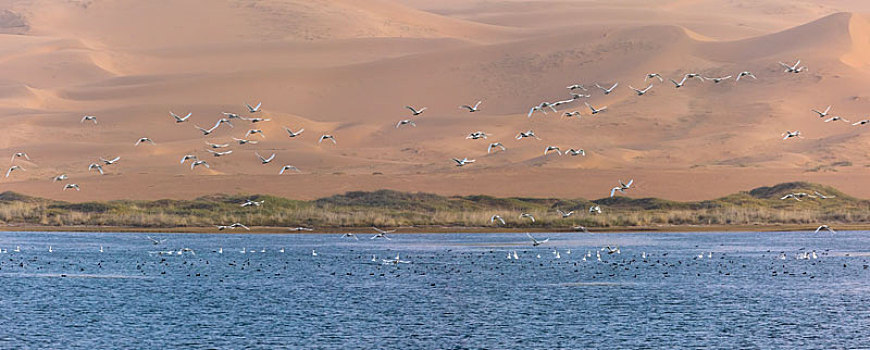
x=431 y=229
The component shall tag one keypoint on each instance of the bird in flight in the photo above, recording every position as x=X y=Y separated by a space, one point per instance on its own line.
x=575 y=152
x=156 y=241
x=217 y=145
x=552 y=148
x=823 y=114
x=219 y=154
x=470 y=108
x=13 y=168
x=789 y=134
x=477 y=135
x=110 y=161
x=745 y=74
x=406 y=122
x=255 y=131
x=293 y=134
x=641 y=92
x=463 y=162
x=793 y=68
x=250 y=202
x=694 y=75
x=529 y=133
x=180 y=119
x=71 y=186
x=822 y=196
x=580 y=228
x=536 y=242
x=565 y=215
x=836 y=118
x=791 y=196
x=606 y=90
x=559 y=103
x=254 y=109
x=245 y=141
x=621 y=188
x=494 y=145
x=327 y=137
x=571 y=114
x=96 y=166
x=144 y=139
x=573 y=87
x=187 y=157
x=527 y=216
x=232 y=227
x=89 y=118
x=20 y=155
x=495 y=218
x=680 y=84
x=653 y=75
x=596 y=110
x=542 y=108
x=382 y=234
x=719 y=79
x=206 y=132
x=611 y=250
x=199 y=162
x=350 y=235
x=595 y=209
x=257 y=120
x=288 y=167
x=827 y=228
x=265 y=160
x=225 y=121
x=416 y=112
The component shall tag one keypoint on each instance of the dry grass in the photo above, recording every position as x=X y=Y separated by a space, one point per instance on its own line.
x=390 y=209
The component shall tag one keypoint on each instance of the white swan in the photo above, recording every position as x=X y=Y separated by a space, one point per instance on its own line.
x=288 y=167
x=536 y=242
x=265 y=160
x=462 y=162
x=292 y=134
x=327 y=137
x=180 y=119
x=254 y=109
x=607 y=91
x=494 y=145
x=641 y=92
x=144 y=139
x=471 y=109
x=416 y=112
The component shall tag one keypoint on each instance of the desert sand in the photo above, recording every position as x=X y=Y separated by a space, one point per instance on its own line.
x=348 y=68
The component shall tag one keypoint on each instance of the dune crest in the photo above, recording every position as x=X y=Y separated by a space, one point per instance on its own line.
x=829 y=33
x=859 y=55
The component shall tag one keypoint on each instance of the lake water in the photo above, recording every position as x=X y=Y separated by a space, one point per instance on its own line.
x=456 y=291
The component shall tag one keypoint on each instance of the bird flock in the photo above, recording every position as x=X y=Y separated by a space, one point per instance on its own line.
x=214 y=149
x=217 y=150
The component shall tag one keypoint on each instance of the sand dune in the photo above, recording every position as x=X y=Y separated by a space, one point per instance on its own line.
x=348 y=68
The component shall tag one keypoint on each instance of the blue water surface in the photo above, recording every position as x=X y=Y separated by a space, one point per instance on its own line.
x=449 y=291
